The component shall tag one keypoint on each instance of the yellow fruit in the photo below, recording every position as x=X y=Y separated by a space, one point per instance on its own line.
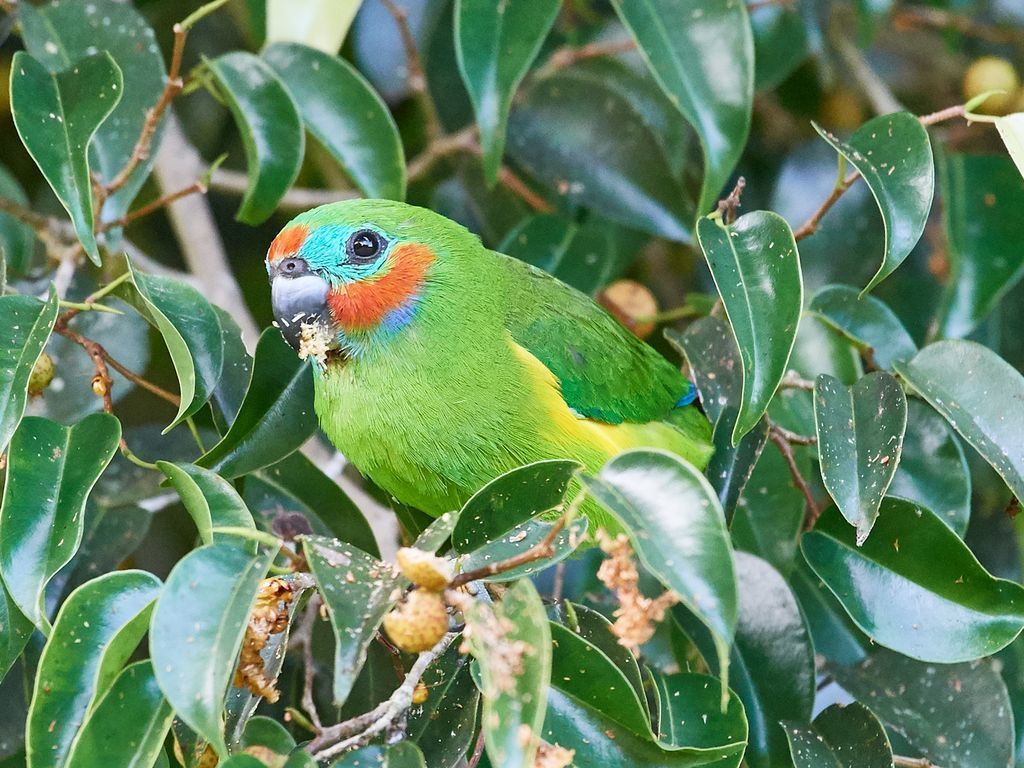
x=418 y=623
x=842 y=110
x=420 y=694
x=424 y=569
x=991 y=73
x=42 y=375
x=632 y=304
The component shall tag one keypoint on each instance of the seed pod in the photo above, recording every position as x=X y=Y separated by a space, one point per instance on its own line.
x=424 y=569
x=632 y=304
x=420 y=694
x=41 y=376
x=418 y=623
x=99 y=386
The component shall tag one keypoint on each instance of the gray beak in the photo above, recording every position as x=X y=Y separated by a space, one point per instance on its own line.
x=298 y=297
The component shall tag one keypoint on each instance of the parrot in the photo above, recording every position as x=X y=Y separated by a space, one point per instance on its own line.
x=441 y=364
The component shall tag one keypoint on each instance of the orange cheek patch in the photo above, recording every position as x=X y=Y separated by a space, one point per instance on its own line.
x=288 y=241
x=363 y=305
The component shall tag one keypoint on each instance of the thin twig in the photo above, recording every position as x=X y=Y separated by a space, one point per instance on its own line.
x=155 y=205
x=415 y=72
x=508 y=177
x=899 y=761
x=943 y=114
x=728 y=206
x=565 y=57
x=478 y=751
x=938 y=18
x=780 y=442
x=303 y=636
x=810 y=226
x=793 y=380
x=794 y=438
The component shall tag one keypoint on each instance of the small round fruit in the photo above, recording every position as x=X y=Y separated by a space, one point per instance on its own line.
x=424 y=569
x=842 y=110
x=420 y=694
x=992 y=73
x=42 y=374
x=632 y=304
x=418 y=623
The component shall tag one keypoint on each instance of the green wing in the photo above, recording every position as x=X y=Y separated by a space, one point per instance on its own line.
x=606 y=372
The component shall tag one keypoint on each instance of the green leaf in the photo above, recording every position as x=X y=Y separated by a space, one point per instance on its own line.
x=96 y=631
x=865 y=321
x=197 y=630
x=677 y=528
x=731 y=465
x=1011 y=131
x=50 y=471
x=933 y=470
x=59 y=33
x=210 y=499
x=981 y=197
x=833 y=633
x=405 y=754
x=957 y=716
x=190 y=328
x=510 y=499
x=444 y=726
x=495 y=44
x=578 y=127
x=266 y=732
x=271 y=130
x=841 y=737
x=520 y=539
x=276 y=416
x=17 y=239
x=894 y=155
x=514 y=705
x=756 y=267
x=914 y=586
x=358 y=590
x=860 y=439
x=710 y=350
x=946 y=374
x=703 y=58
x=345 y=115
x=26 y=324
x=15 y=630
x=780 y=44
x=128 y=725
x=56 y=116
x=320 y=24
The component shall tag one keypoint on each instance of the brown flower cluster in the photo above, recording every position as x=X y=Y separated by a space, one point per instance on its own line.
x=269 y=617
x=553 y=756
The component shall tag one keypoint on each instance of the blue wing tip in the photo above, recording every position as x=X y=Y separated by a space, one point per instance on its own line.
x=688 y=397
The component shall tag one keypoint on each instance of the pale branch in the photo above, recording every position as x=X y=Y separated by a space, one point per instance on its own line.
x=359 y=731
x=899 y=761
x=793 y=380
x=874 y=88
x=295 y=199
x=794 y=438
x=303 y=636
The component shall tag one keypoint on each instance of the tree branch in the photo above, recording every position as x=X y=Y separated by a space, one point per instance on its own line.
x=777 y=436
x=415 y=72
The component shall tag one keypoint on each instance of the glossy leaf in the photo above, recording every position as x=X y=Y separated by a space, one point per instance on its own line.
x=95 y=633
x=780 y=44
x=50 y=471
x=511 y=499
x=833 y=632
x=358 y=590
x=914 y=586
x=128 y=725
x=514 y=709
x=194 y=641
x=438 y=533
x=860 y=440
x=981 y=194
x=710 y=349
x=894 y=155
x=756 y=267
x=677 y=528
x=957 y=716
x=703 y=58
x=840 y=737
x=402 y=755
x=933 y=470
x=345 y=115
x=865 y=321
x=320 y=24
x=495 y=44
x=520 y=539
x=17 y=240
x=59 y=33
x=15 y=631
x=276 y=416
x=731 y=466
x=56 y=116
x=444 y=726
x=26 y=324
x=190 y=328
x=271 y=130
x=210 y=499
x=972 y=387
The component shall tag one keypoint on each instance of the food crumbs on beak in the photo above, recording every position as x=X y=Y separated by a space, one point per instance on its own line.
x=315 y=342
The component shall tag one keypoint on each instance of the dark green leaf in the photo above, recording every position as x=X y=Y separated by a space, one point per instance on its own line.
x=56 y=116
x=50 y=471
x=860 y=439
x=444 y=726
x=15 y=631
x=680 y=39
x=402 y=755
x=677 y=528
x=26 y=324
x=514 y=708
x=59 y=33
x=710 y=349
x=276 y=416
x=519 y=540
x=227 y=397
x=841 y=737
x=933 y=470
x=358 y=590
x=197 y=630
x=210 y=499
x=757 y=270
x=894 y=155
x=437 y=533
x=957 y=715
x=833 y=633
x=495 y=44
x=17 y=240
x=914 y=586
x=128 y=725
x=981 y=197
x=731 y=466
x=780 y=44
x=96 y=631
x=948 y=374
x=191 y=330
x=344 y=113
x=266 y=732
x=866 y=321
x=270 y=126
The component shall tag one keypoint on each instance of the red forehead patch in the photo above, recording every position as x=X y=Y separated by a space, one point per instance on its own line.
x=287 y=242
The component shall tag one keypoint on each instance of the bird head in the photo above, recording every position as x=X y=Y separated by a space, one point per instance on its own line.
x=357 y=269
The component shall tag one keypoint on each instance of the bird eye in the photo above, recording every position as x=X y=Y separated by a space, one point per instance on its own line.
x=365 y=245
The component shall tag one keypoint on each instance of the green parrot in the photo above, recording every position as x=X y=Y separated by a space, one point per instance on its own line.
x=442 y=364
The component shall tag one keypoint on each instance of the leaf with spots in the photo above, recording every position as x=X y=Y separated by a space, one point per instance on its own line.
x=840 y=737
x=210 y=499
x=872 y=327
x=710 y=350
